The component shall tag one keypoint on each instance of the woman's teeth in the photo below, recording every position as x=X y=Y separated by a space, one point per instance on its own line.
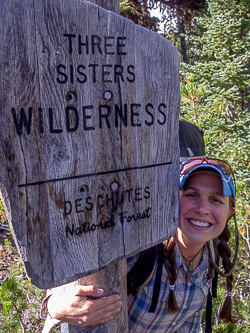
x=199 y=223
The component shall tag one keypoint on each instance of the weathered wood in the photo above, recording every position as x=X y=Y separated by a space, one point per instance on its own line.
x=58 y=167
x=113 y=279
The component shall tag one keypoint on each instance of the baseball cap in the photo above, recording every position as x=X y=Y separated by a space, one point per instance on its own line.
x=209 y=164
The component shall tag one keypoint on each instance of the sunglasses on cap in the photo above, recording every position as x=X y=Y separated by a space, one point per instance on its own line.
x=222 y=168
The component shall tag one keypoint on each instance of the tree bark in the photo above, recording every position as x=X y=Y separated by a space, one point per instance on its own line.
x=182 y=41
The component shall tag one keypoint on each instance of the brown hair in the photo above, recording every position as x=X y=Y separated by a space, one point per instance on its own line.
x=225 y=254
x=169 y=252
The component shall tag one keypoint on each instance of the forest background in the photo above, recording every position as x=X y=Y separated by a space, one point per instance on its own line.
x=213 y=39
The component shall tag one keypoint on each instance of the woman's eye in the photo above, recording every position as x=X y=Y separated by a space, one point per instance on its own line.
x=215 y=200
x=191 y=195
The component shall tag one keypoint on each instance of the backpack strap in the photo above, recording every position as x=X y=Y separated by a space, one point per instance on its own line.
x=208 y=328
x=217 y=261
x=157 y=284
x=139 y=276
x=214 y=275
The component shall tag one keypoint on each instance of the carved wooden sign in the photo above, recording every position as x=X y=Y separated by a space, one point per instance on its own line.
x=89 y=136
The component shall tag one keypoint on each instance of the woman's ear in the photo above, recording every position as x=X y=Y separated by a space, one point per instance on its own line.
x=232 y=211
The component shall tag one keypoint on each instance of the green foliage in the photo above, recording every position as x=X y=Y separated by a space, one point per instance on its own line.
x=12 y=303
x=138 y=11
x=125 y=6
x=20 y=301
x=2 y=213
x=192 y=98
x=8 y=245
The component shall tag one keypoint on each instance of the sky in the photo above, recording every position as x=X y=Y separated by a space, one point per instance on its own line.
x=156 y=12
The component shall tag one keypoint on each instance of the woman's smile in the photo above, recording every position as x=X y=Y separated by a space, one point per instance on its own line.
x=199 y=223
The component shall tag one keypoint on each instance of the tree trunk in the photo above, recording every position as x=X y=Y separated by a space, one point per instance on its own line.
x=113 y=280
x=182 y=41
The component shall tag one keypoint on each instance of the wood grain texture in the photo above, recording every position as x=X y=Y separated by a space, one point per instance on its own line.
x=66 y=221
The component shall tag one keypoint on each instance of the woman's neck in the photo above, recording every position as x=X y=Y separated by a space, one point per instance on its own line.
x=190 y=251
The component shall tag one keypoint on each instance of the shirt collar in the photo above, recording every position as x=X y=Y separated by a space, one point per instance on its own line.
x=204 y=260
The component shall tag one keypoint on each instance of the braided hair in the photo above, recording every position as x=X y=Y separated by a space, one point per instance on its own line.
x=225 y=254
x=169 y=252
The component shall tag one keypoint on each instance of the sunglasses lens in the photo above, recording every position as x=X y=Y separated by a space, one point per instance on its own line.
x=187 y=166
x=222 y=166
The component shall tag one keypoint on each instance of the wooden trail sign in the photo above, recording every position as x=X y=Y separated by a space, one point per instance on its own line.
x=89 y=136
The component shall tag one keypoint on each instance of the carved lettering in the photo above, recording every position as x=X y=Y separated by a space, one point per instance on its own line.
x=107 y=44
x=23 y=120
x=85 y=73
x=111 y=200
x=89 y=227
x=91 y=118
x=124 y=217
x=92 y=227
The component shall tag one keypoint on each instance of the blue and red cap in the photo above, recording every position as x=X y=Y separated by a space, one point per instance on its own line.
x=209 y=164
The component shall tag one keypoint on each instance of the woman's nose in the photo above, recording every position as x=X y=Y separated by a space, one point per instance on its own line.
x=202 y=207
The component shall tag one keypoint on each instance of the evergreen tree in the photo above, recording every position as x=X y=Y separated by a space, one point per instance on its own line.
x=176 y=15
x=138 y=12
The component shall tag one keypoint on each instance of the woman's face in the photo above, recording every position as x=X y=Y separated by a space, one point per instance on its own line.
x=204 y=209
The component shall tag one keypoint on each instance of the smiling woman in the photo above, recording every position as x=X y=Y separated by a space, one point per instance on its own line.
x=207 y=196
x=207 y=201
x=204 y=209
x=183 y=270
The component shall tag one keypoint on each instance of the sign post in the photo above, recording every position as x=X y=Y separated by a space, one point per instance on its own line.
x=89 y=156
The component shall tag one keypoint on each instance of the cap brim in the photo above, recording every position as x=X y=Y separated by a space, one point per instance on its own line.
x=227 y=185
